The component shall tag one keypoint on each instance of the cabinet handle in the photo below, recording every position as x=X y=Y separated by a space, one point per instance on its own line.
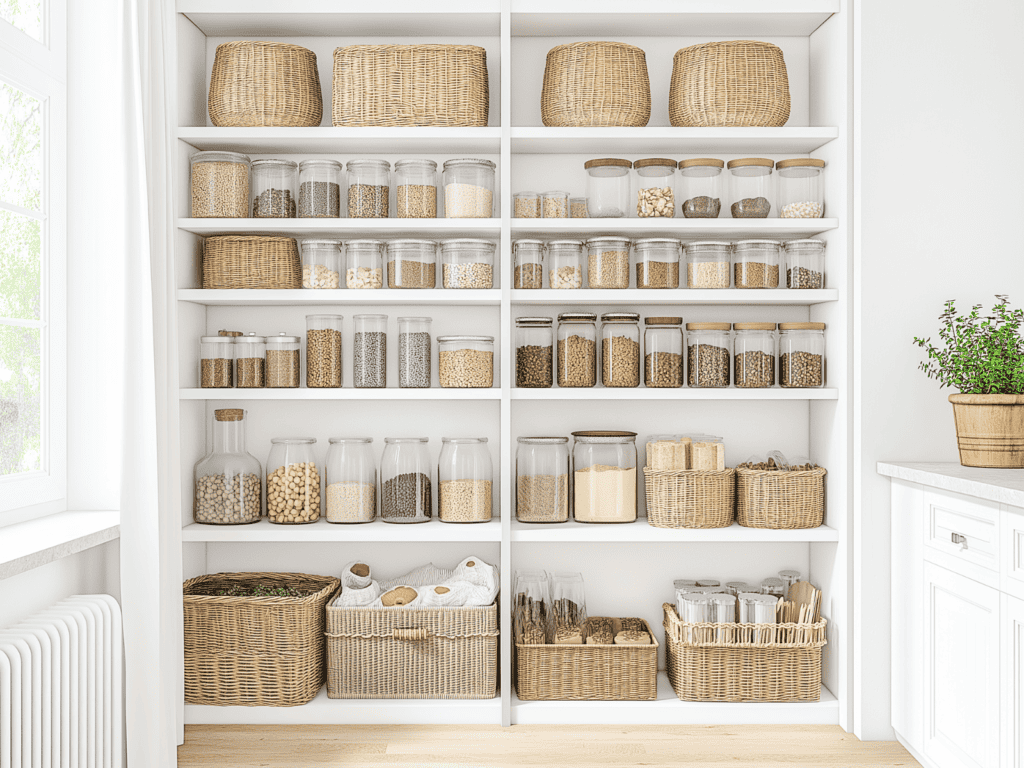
x=959 y=539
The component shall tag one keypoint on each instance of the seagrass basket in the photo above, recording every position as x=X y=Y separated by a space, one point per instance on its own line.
x=687 y=498
x=596 y=84
x=729 y=84
x=251 y=261
x=777 y=499
x=257 y=84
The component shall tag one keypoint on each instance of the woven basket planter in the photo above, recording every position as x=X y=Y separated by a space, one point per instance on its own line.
x=775 y=499
x=265 y=84
x=251 y=261
x=732 y=84
x=255 y=651
x=394 y=85
x=596 y=84
x=690 y=498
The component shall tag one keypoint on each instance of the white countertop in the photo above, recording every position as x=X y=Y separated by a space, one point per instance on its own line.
x=1005 y=486
x=34 y=543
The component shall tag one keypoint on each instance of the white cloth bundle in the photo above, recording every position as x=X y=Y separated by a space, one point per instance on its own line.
x=473 y=582
x=356 y=576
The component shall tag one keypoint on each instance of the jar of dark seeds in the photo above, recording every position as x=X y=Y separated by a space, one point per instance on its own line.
x=405 y=488
x=620 y=349
x=528 y=256
x=414 y=352
x=657 y=262
x=323 y=351
x=220 y=185
x=542 y=479
x=320 y=184
x=274 y=188
x=805 y=263
x=369 y=188
x=756 y=264
x=576 y=353
x=754 y=355
x=467 y=263
x=216 y=362
x=708 y=354
x=464 y=475
x=700 y=187
x=534 y=352
x=369 y=351
x=283 y=361
x=364 y=264
x=416 y=189
x=751 y=192
x=802 y=354
x=412 y=264
x=663 y=352
x=250 y=361
x=228 y=481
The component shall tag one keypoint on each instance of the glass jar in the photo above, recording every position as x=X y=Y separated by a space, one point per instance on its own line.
x=321 y=263
x=542 y=479
x=320 y=183
x=220 y=185
x=468 y=189
x=802 y=354
x=351 y=471
x=753 y=355
x=414 y=352
x=365 y=264
x=604 y=477
x=756 y=263
x=750 y=188
x=700 y=187
x=657 y=262
x=707 y=264
x=608 y=262
x=801 y=188
x=607 y=187
x=323 y=351
x=250 y=361
x=655 y=187
x=216 y=362
x=412 y=264
x=274 y=185
x=416 y=189
x=369 y=351
x=554 y=205
x=369 y=189
x=529 y=264
x=708 y=354
x=405 y=492
x=526 y=205
x=465 y=361
x=283 y=361
x=805 y=263
x=293 y=481
x=663 y=352
x=578 y=208
x=534 y=352
x=464 y=474
x=467 y=263
x=620 y=349
x=565 y=264
x=228 y=481
x=577 y=349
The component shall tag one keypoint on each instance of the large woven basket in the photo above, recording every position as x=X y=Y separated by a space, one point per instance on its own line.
x=776 y=499
x=251 y=261
x=412 y=653
x=596 y=84
x=389 y=85
x=684 y=498
x=256 y=84
x=255 y=651
x=743 y=662
x=735 y=83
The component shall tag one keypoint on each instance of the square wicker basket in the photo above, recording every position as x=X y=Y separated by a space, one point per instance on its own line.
x=251 y=261
x=780 y=500
x=688 y=498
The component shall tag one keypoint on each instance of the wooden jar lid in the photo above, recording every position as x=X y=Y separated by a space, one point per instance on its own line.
x=228 y=414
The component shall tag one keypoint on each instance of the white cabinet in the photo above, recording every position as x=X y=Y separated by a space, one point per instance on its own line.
x=1011 y=699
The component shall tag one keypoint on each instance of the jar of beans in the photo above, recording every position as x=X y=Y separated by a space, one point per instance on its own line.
x=708 y=264
x=369 y=351
x=321 y=263
x=274 y=186
x=216 y=362
x=293 y=481
x=414 y=351
x=542 y=479
x=320 y=183
x=364 y=264
x=700 y=187
x=526 y=205
x=753 y=355
x=620 y=349
x=565 y=264
x=608 y=262
x=657 y=262
x=468 y=189
x=369 y=189
x=654 y=184
x=351 y=471
x=608 y=193
x=464 y=474
x=805 y=263
x=529 y=264
x=708 y=354
x=756 y=263
x=751 y=193
x=405 y=489
x=554 y=205
x=663 y=352
x=250 y=361
x=604 y=477
x=283 y=361
x=534 y=352
x=576 y=356
x=802 y=354
x=801 y=188
x=412 y=263
x=323 y=351
x=228 y=481
x=578 y=208
x=416 y=189
x=465 y=361
x=467 y=263
x=220 y=185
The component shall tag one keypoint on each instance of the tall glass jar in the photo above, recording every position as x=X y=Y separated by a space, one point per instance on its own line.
x=801 y=188
x=412 y=264
x=565 y=264
x=323 y=351
x=274 y=185
x=608 y=187
x=753 y=355
x=416 y=189
x=369 y=189
x=414 y=351
x=283 y=361
x=654 y=181
x=620 y=349
x=351 y=470
x=467 y=263
x=365 y=264
x=220 y=185
x=216 y=362
x=663 y=352
x=529 y=264
x=756 y=263
x=405 y=489
x=554 y=205
x=604 y=477
x=293 y=481
x=250 y=361
x=751 y=189
x=321 y=263
x=369 y=351
x=577 y=349
x=708 y=354
x=657 y=262
x=465 y=361
x=542 y=479
x=700 y=187
x=320 y=183
x=802 y=354
x=534 y=352
x=464 y=474
x=526 y=205
x=468 y=189
x=608 y=262
x=707 y=264
x=228 y=480
x=805 y=263
x=578 y=208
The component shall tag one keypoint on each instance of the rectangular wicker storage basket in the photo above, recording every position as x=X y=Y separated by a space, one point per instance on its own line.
x=255 y=651
x=596 y=84
x=251 y=261
x=776 y=499
x=686 y=498
x=412 y=653
x=395 y=85
x=743 y=662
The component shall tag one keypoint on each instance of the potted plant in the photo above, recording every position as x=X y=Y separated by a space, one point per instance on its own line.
x=983 y=357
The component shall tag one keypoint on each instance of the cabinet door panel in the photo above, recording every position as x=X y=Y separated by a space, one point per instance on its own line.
x=1012 y=677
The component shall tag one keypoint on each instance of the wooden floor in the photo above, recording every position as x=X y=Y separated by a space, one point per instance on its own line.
x=537 y=746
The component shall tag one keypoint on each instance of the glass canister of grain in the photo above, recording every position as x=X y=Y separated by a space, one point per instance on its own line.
x=663 y=352
x=753 y=355
x=274 y=185
x=802 y=354
x=534 y=352
x=216 y=362
x=700 y=187
x=565 y=264
x=554 y=205
x=364 y=264
x=250 y=361
x=320 y=183
x=228 y=481
x=608 y=187
x=577 y=349
x=528 y=256
x=805 y=263
x=465 y=361
x=654 y=180
x=220 y=185
x=708 y=354
x=604 y=477
x=708 y=264
x=542 y=479
x=293 y=481
x=801 y=188
x=756 y=263
x=414 y=352
x=464 y=474
x=526 y=205
x=468 y=189
x=412 y=264
x=351 y=471
x=578 y=208
x=608 y=262
x=416 y=189
x=620 y=349
x=321 y=264
x=751 y=188
x=657 y=262
x=467 y=263
x=369 y=351
x=283 y=361
x=369 y=189
x=405 y=489
x=323 y=351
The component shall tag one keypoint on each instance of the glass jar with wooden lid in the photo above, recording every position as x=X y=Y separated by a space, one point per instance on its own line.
x=802 y=354
x=753 y=355
x=620 y=349
x=607 y=187
x=654 y=182
x=534 y=352
x=708 y=354
x=228 y=480
x=577 y=349
x=801 y=188
x=700 y=187
x=663 y=352
x=751 y=188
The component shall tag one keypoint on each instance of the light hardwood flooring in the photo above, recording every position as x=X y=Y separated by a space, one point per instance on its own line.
x=537 y=746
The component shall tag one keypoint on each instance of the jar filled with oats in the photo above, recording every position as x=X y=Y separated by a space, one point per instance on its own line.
x=464 y=475
x=708 y=264
x=412 y=263
x=416 y=189
x=554 y=205
x=220 y=185
x=293 y=481
x=608 y=262
x=654 y=185
x=526 y=205
x=468 y=189
x=542 y=479
x=351 y=471
x=465 y=361
x=228 y=481
x=657 y=262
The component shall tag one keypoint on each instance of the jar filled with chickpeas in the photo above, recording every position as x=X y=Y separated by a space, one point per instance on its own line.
x=293 y=481
x=228 y=480
x=464 y=473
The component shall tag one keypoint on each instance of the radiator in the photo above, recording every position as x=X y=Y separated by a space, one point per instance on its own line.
x=60 y=687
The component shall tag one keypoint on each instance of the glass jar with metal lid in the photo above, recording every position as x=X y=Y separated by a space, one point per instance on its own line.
x=554 y=205
x=351 y=478
x=416 y=189
x=565 y=264
x=657 y=262
x=414 y=352
x=608 y=187
x=216 y=362
x=369 y=189
x=365 y=264
x=608 y=262
x=708 y=264
x=577 y=349
x=412 y=264
x=465 y=361
x=802 y=354
x=708 y=354
x=604 y=477
x=250 y=361
x=751 y=189
x=468 y=189
x=220 y=185
x=406 y=495
x=700 y=187
x=370 y=351
x=274 y=184
x=753 y=355
x=323 y=351
x=620 y=349
x=320 y=183
x=464 y=474
x=542 y=479
x=228 y=481
x=467 y=263
x=805 y=263
x=293 y=481
x=578 y=208
x=283 y=361
x=756 y=263
x=534 y=352
x=801 y=188
x=663 y=352
x=321 y=264
x=654 y=182
x=528 y=256
x=525 y=205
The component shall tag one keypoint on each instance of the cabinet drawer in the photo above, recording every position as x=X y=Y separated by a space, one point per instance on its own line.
x=965 y=529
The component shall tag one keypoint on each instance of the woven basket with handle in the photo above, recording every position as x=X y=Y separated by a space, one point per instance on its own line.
x=685 y=498
x=777 y=499
x=251 y=261
x=596 y=84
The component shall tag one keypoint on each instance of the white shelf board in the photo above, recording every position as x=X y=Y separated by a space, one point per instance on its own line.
x=682 y=393
x=671 y=141
x=348 y=393
x=684 y=229
x=431 y=228
x=640 y=531
x=289 y=141
x=675 y=296
x=322 y=531
x=300 y=297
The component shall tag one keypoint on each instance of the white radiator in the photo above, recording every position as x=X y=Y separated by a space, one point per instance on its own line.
x=60 y=687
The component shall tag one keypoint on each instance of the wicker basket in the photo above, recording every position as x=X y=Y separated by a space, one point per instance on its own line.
x=596 y=84
x=388 y=85
x=251 y=261
x=736 y=83
x=776 y=499
x=743 y=662
x=682 y=498
x=412 y=653
x=255 y=651
x=265 y=84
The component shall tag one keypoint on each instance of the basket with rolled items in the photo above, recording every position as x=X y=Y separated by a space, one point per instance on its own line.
x=687 y=483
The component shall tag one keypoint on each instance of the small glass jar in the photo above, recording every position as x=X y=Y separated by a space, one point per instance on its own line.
x=320 y=183
x=351 y=478
x=753 y=355
x=534 y=352
x=663 y=352
x=468 y=189
x=465 y=361
x=283 y=361
x=608 y=188
x=565 y=264
x=216 y=362
x=467 y=263
x=756 y=263
x=464 y=474
x=751 y=193
x=604 y=477
x=805 y=263
x=369 y=351
x=405 y=490
x=657 y=262
x=274 y=184
x=577 y=349
x=708 y=264
x=620 y=349
x=321 y=264
x=369 y=189
x=802 y=355
x=578 y=208
x=364 y=264
x=228 y=480
x=293 y=481
x=801 y=188
x=416 y=189
x=323 y=351
x=654 y=183
x=250 y=361
x=412 y=264
x=700 y=187
x=220 y=185
x=526 y=205
x=708 y=354
x=554 y=205
x=542 y=479
x=529 y=264
x=608 y=262
x=414 y=352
